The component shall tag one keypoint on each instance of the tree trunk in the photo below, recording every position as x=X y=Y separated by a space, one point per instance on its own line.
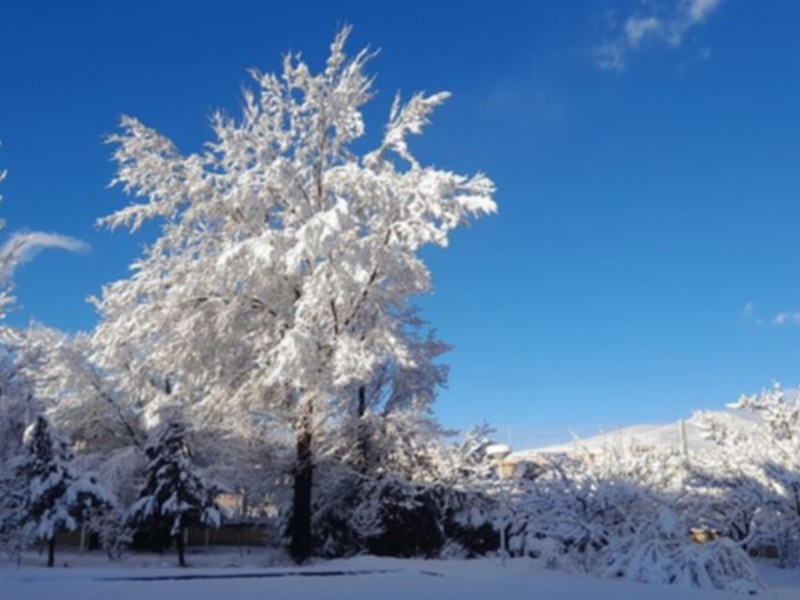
x=362 y=443
x=181 y=548
x=300 y=546
x=51 y=551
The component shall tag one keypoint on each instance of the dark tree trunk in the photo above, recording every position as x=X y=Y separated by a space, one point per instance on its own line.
x=51 y=551
x=181 y=548
x=362 y=442
x=300 y=546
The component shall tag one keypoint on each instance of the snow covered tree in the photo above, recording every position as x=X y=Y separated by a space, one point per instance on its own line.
x=54 y=497
x=281 y=281
x=173 y=496
x=619 y=512
x=382 y=448
x=756 y=471
x=389 y=426
x=16 y=403
x=13 y=538
x=15 y=392
x=105 y=426
x=21 y=378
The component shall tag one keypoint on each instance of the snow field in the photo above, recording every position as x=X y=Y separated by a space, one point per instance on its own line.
x=365 y=578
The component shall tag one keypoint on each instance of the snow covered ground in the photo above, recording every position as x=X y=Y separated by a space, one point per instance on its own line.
x=231 y=575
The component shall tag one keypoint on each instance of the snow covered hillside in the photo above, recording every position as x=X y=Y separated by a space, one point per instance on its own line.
x=668 y=436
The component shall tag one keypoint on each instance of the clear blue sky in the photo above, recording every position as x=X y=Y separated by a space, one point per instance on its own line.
x=646 y=165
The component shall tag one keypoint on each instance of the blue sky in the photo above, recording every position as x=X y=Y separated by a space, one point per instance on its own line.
x=645 y=155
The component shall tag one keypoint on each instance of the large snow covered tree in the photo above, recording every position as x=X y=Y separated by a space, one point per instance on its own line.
x=173 y=496
x=281 y=280
x=55 y=497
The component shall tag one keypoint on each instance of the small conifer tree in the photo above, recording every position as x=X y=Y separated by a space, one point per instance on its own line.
x=173 y=497
x=55 y=497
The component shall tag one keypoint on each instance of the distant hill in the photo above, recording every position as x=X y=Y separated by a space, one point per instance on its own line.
x=657 y=436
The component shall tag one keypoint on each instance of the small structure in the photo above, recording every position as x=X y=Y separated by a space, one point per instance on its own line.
x=526 y=466
x=498 y=453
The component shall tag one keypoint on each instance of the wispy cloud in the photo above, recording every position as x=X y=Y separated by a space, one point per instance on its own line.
x=787 y=318
x=23 y=247
x=748 y=315
x=657 y=23
x=610 y=56
x=700 y=9
x=636 y=29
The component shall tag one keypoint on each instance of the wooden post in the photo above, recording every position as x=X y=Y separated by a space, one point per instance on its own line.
x=684 y=441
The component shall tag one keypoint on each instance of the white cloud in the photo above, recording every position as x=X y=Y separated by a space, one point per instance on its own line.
x=700 y=9
x=660 y=24
x=22 y=247
x=748 y=316
x=637 y=28
x=787 y=318
x=610 y=56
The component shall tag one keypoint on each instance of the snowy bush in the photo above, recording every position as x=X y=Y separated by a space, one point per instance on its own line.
x=391 y=516
x=114 y=533
x=412 y=519
x=660 y=551
x=622 y=513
